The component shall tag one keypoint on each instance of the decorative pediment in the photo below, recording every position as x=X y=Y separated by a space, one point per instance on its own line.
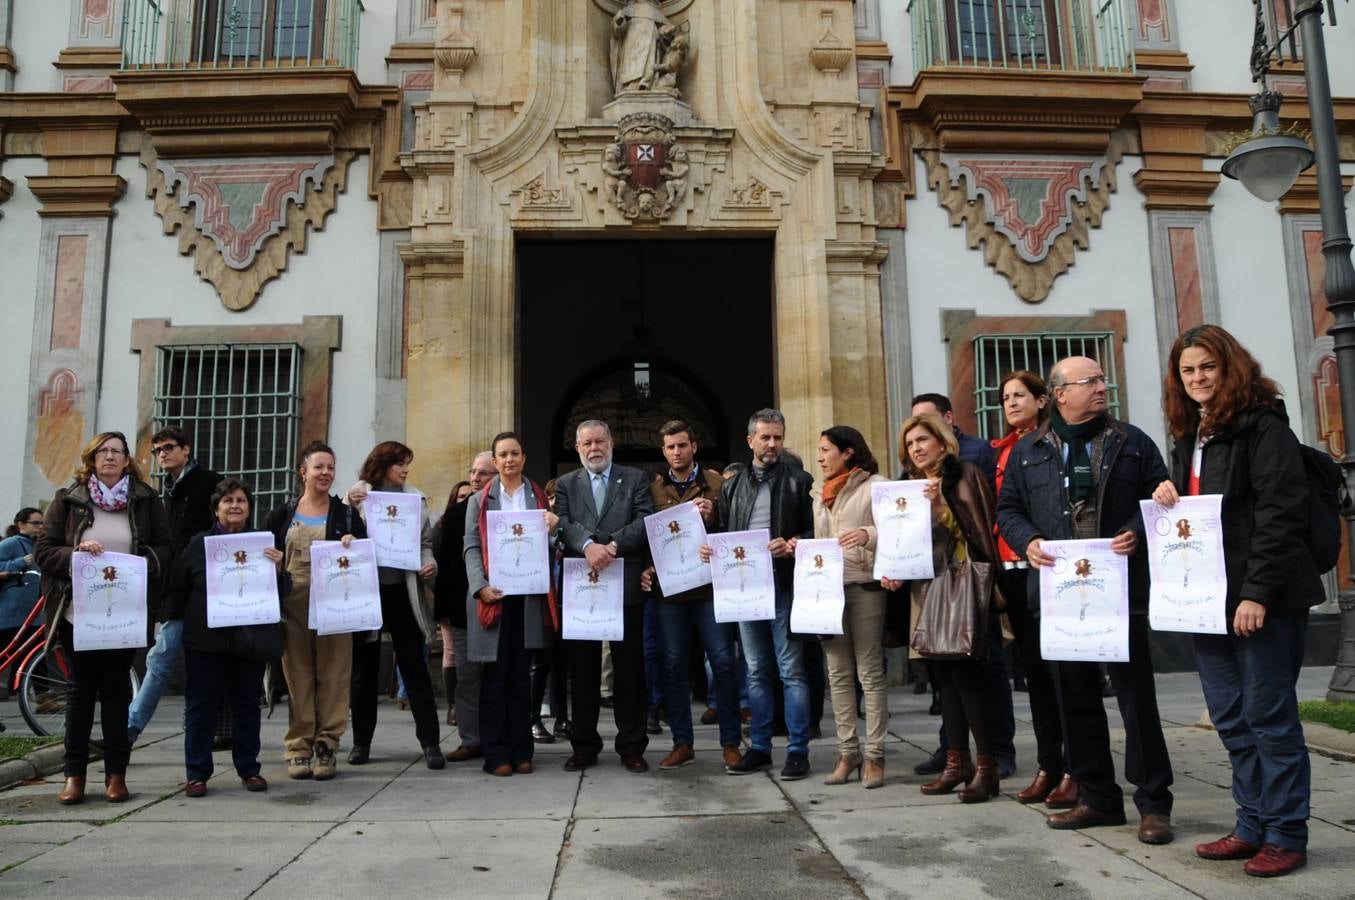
x=1029 y=215
x=241 y=217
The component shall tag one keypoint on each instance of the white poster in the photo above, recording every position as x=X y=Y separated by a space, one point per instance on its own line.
x=395 y=526
x=741 y=571
x=903 y=525
x=108 y=601
x=344 y=592
x=242 y=583
x=519 y=551
x=819 y=599
x=1084 y=603
x=592 y=604
x=675 y=539
x=1189 y=590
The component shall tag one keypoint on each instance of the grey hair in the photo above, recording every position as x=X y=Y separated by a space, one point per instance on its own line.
x=482 y=453
x=1056 y=379
x=592 y=423
x=768 y=416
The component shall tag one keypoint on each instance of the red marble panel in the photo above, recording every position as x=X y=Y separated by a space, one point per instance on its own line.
x=87 y=84
x=1316 y=268
x=1186 y=278
x=68 y=291
x=1153 y=15
x=96 y=18
x=418 y=80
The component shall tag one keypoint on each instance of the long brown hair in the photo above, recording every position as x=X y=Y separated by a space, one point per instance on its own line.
x=939 y=430
x=86 y=467
x=1241 y=385
x=383 y=456
x=1031 y=382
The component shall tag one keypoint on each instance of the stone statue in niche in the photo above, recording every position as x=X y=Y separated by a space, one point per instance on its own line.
x=647 y=49
x=645 y=170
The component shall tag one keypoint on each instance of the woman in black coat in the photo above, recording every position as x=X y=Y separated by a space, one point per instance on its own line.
x=214 y=661
x=1231 y=437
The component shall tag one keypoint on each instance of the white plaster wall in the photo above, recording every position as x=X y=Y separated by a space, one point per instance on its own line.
x=20 y=230
x=40 y=31
x=337 y=275
x=1217 y=35
x=894 y=31
x=1114 y=274
x=375 y=39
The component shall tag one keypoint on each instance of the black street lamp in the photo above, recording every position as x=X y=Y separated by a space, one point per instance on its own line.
x=1267 y=163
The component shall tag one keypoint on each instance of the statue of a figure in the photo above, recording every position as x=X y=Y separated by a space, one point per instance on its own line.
x=675 y=172
x=616 y=172
x=638 y=45
x=673 y=57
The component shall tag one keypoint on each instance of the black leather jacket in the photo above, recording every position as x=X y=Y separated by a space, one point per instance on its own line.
x=792 y=510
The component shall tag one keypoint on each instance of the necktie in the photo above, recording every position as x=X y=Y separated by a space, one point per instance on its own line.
x=599 y=492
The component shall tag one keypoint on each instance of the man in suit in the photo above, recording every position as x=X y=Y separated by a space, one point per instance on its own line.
x=602 y=508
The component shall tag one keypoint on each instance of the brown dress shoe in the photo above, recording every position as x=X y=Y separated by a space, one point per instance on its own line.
x=73 y=791
x=115 y=788
x=1273 y=861
x=635 y=764
x=502 y=771
x=1064 y=796
x=1230 y=847
x=195 y=787
x=255 y=784
x=523 y=768
x=682 y=755
x=709 y=717
x=1041 y=787
x=578 y=762
x=1083 y=816
x=959 y=769
x=1155 y=828
x=984 y=784
x=731 y=756
x=873 y=774
x=463 y=753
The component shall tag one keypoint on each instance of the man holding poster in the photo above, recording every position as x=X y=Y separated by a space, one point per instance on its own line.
x=689 y=485
x=1081 y=477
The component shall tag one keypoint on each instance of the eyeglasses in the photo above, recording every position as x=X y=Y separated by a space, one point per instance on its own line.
x=488 y=473
x=165 y=448
x=1089 y=381
x=110 y=451
x=36 y=522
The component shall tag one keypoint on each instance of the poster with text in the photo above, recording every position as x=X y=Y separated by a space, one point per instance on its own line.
x=819 y=599
x=1084 y=603
x=675 y=539
x=519 y=551
x=395 y=526
x=344 y=592
x=903 y=525
x=741 y=572
x=242 y=583
x=1189 y=590
x=592 y=607
x=108 y=601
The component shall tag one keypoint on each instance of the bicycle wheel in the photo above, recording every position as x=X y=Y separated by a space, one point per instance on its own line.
x=42 y=692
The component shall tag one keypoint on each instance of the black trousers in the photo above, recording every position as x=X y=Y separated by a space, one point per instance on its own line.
x=1044 y=706
x=210 y=678
x=408 y=644
x=630 y=695
x=96 y=676
x=1086 y=733
x=505 y=694
x=550 y=669
x=966 y=704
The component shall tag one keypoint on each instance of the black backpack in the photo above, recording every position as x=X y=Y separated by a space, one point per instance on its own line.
x=1326 y=489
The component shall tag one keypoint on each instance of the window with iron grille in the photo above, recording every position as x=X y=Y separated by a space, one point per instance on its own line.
x=240 y=405
x=996 y=355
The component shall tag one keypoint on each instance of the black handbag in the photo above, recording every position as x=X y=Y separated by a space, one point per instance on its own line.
x=953 y=623
x=258 y=643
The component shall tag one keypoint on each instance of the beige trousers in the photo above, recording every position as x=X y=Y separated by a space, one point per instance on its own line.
x=318 y=670
x=859 y=653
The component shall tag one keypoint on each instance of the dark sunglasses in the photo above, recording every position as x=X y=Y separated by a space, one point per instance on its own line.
x=165 y=448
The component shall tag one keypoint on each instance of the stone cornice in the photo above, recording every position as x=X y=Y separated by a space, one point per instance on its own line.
x=7 y=62
x=89 y=58
x=873 y=50
x=1302 y=198
x=77 y=195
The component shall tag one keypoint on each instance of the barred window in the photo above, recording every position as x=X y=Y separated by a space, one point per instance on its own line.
x=240 y=405
x=995 y=355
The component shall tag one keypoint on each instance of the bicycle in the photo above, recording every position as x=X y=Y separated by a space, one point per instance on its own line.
x=41 y=679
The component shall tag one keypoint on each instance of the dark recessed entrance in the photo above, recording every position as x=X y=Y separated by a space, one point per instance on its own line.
x=639 y=332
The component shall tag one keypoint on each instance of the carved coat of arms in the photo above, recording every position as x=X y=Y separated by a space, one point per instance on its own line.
x=645 y=171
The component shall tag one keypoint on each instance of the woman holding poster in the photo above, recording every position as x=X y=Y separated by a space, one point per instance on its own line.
x=403 y=612
x=317 y=667
x=505 y=627
x=1231 y=437
x=842 y=510
x=109 y=508
x=962 y=528
x=214 y=663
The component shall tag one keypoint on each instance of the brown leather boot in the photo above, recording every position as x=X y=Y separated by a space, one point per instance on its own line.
x=115 y=788
x=873 y=774
x=1064 y=796
x=73 y=791
x=959 y=769
x=842 y=772
x=985 y=782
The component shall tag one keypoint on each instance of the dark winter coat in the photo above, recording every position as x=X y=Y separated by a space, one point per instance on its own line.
x=792 y=510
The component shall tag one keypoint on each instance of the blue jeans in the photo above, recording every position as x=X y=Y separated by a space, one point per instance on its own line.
x=768 y=648
x=159 y=666
x=653 y=657
x=712 y=695
x=675 y=621
x=1249 y=689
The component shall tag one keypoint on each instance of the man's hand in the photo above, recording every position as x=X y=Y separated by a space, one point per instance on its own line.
x=1037 y=557
x=1249 y=618
x=706 y=508
x=598 y=556
x=552 y=521
x=1125 y=543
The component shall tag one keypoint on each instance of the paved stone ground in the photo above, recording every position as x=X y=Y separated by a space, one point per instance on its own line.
x=393 y=828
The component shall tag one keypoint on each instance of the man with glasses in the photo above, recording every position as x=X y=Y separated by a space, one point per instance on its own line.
x=1081 y=476
x=451 y=588
x=186 y=489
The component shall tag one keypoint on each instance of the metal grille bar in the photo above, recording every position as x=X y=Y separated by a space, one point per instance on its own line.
x=1073 y=35
x=231 y=34
x=995 y=355
x=240 y=404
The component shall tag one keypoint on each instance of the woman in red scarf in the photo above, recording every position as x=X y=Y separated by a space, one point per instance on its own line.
x=1025 y=403
x=503 y=629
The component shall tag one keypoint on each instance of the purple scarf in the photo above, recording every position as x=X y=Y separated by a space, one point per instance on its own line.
x=109 y=499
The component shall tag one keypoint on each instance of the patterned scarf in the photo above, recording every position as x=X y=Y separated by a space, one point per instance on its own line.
x=109 y=499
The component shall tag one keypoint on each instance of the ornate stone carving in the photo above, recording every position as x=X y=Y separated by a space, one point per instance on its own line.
x=647 y=49
x=454 y=50
x=241 y=217
x=829 y=54
x=753 y=195
x=1029 y=215
x=645 y=171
